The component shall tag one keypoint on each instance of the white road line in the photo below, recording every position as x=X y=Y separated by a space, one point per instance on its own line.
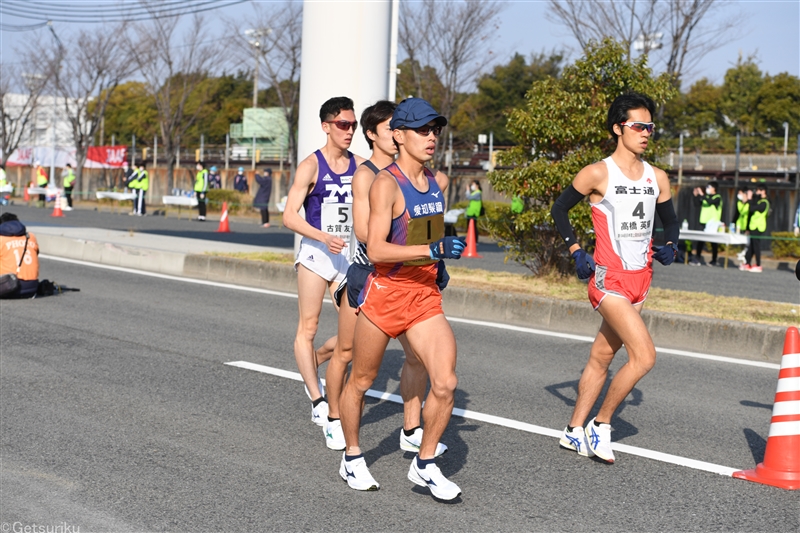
x=582 y=338
x=515 y=424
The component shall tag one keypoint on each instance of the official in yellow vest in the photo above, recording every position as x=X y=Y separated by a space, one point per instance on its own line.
x=710 y=218
x=133 y=185
x=41 y=181
x=201 y=190
x=68 y=181
x=142 y=185
x=756 y=228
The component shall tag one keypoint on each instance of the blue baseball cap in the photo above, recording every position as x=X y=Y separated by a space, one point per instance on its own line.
x=241 y=169
x=213 y=169
x=413 y=113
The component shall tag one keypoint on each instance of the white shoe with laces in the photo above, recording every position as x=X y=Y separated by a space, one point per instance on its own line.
x=319 y=414
x=334 y=436
x=431 y=477
x=575 y=440
x=414 y=441
x=357 y=475
x=599 y=440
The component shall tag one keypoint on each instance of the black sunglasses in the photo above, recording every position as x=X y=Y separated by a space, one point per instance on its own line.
x=426 y=130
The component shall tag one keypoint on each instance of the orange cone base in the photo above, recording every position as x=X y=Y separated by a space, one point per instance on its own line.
x=57 y=208
x=769 y=476
x=224 y=227
x=472 y=246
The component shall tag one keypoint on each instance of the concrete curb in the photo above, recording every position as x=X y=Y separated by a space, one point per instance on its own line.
x=742 y=340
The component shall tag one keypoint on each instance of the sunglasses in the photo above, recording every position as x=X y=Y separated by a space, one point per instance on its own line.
x=426 y=130
x=640 y=126
x=344 y=125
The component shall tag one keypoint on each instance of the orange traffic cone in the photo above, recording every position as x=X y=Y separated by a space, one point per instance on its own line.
x=781 y=466
x=472 y=246
x=27 y=196
x=223 y=221
x=57 y=207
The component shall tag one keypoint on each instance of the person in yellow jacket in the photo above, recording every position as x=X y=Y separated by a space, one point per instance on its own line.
x=133 y=185
x=68 y=181
x=475 y=206
x=142 y=185
x=710 y=214
x=756 y=228
x=41 y=181
x=201 y=190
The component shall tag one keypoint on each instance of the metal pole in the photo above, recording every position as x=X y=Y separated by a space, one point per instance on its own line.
x=202 y=146
x=155 y=150
x=113 y=140
x=133 y=150
x=450 y=151
x=491 y=149
x=680 y=164
x=53 y=154
x=393 y=31
x=785 y=147
x=797 y=168
x=736 y=170
x=227 y=148
x=255 y=78
x=254 y=153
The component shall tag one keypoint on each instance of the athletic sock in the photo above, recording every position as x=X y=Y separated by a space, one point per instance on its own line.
x=597 y=424
x=409 y=432
x=332 y=419
x=349 y=458
x=318 y=401
x=423 y=463
x=570 y=429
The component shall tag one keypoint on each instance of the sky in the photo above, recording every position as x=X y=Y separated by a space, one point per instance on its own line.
x=770 y=29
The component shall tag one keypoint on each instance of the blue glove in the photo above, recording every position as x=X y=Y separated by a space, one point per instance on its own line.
x=584 y=264
x=447 y=248
x=442 y=277
x=666 y=254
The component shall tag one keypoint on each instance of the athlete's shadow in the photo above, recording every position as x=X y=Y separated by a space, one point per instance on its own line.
x=621 y=427
x=756 y=443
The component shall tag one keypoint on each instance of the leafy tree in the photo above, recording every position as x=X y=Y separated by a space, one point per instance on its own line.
x=130 y=111
x=499 y=91
x=420 y=82
x=778 y=101
x=696 y=111
x=559 y=130
x=741 y=84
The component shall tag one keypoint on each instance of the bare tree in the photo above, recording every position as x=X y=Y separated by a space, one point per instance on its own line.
x=173 y=70
x=19 y=93
x=83 y=75
x=683 y=24
x=277 y=40
x=451 y=37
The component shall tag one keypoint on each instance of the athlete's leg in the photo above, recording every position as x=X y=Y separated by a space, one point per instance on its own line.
x=310 y=291
x=368 y=348
x=342 y=355
x=413 y=383
x=435 y=345
x=626 y=321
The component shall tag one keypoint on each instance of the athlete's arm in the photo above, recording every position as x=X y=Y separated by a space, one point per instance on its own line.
x=382 y=197
x=665 y=209
x=589 y=182
x=443 y=180
x=362 y=180
x=304 y=181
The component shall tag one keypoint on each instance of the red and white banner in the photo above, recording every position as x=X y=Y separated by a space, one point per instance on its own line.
x=106 y=156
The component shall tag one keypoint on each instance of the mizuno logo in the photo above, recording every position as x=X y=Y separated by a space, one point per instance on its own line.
x=350 y=473
x=379 y=286
x=435 y=194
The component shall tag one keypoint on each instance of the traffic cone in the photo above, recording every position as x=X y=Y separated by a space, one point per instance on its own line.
x=781 y=466
x=57 y=207
x=223 y=221
x=472 y=246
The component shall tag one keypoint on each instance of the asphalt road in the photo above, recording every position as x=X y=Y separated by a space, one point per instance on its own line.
x=119 y=414
x=771 y=285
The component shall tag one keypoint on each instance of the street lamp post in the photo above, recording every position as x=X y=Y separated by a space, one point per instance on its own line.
x=253 y=36
x=785 y=147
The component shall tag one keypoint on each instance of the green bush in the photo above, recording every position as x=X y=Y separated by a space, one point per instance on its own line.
x=493 y=210
x=785 y=244
x=238 y=202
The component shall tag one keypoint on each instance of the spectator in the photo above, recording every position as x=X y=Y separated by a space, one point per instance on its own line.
x=240 y=181
x=4 y=196
x=214 y=179
x=127 y=174
x=743 y=197
x=261 y=201
x=19 y=255
x=756 y=228
x=475 y=207
x=797 y=221
x=517 y=205
x=41 y=181
x=201 y=190
x=68 y=180
x=710 y=217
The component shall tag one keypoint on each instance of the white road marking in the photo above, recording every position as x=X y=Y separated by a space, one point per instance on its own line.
x=516 y=424
x=522 y=329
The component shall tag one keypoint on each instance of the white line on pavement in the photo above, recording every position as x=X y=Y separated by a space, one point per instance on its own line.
x=515 y=424
x=760 y=364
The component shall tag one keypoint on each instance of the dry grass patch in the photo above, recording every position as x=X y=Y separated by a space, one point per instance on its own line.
x=268 y=257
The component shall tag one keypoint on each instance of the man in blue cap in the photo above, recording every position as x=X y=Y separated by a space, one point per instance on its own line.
x=240 y=181
x=214 y=179
x=405 y=241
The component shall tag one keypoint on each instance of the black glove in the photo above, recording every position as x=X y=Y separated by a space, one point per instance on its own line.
x=447 y=248
x=666 y=254
x=584 y=264
x=442 y=277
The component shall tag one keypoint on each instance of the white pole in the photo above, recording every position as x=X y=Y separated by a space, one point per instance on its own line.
x=53 y=153
x=202 y=146
x=253 y=158
x=393 y=50
x=227 y=148
x=155 y=150
x=133 y=150
x=491 y=149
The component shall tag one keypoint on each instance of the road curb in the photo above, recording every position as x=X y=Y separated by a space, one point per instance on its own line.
x=742 y=340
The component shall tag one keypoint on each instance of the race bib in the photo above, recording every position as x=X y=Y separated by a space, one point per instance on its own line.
x=633 y=217
x=424 y=230
x=337 y=219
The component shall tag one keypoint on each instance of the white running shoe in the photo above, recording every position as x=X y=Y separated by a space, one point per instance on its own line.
x=412 y=443
x=320 y=386
x=319 y=414
x=432 y=477
x=357 y=475
x=575 y=440
x=599 y=440
x=334 y=436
